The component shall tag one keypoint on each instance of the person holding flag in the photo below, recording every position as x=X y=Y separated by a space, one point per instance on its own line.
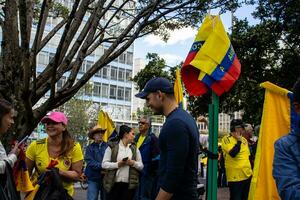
x=178 y=142
x=286 y=157
x=60 y=147
x=6 y=161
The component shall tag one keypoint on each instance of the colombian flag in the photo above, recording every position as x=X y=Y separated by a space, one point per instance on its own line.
x=21 y=174
x=178 y=89
x=278 y=119
x=105 y=122
x=211 y=62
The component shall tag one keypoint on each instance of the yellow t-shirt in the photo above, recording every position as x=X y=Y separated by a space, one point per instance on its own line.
x=238 y=168
x=37 y=151
x=140 y=141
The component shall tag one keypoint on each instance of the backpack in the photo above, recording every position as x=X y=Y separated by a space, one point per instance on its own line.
x=51 y=187
x=8 y=189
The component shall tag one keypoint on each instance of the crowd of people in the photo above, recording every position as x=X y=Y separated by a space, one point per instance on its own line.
x=141 y=166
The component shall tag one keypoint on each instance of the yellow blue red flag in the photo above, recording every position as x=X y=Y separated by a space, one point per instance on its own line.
x=278 y=119
x=212 y=62
x=178 y=89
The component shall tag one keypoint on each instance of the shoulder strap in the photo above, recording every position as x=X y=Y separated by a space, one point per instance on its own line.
x=133 y=150
x=114 y=151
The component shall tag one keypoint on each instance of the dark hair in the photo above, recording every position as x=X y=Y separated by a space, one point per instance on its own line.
x=296 y=91
x=236 y=123
x=67 y=143
x=124 y=129
x=5 y=108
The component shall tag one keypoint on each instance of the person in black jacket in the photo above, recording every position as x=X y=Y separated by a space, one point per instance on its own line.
x=178 y=142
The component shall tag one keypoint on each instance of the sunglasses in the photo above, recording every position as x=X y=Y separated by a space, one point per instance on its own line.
x=142 y=123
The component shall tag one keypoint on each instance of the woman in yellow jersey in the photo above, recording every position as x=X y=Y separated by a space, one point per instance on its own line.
x=58 y=146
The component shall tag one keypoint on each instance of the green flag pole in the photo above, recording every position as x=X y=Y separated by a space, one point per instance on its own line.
x=213 y=147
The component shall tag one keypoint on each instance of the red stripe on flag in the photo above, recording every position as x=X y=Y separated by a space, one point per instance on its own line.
x=189 y=75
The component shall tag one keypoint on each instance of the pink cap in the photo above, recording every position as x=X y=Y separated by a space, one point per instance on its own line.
x=56 y=117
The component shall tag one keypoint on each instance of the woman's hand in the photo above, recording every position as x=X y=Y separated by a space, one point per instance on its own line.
x=130 y=162
x=121 y=163
x=16 y=149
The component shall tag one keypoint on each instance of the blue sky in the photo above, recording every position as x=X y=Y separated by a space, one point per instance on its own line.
x=177 y=47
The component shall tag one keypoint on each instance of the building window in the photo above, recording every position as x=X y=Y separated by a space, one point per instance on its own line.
x=97 y=89
x=98 y=73
x=105 y=71
x=122 y=58
x=51 y=56
x=128 y=75
x=120 y=93
x=60 y=83
x=129 y=58
x=43 y=58
x=82 y=68
x=121 y=74
x=127 y=94
x=104 y=91
x=113 y=92
x=113 y=73
x=88 y=65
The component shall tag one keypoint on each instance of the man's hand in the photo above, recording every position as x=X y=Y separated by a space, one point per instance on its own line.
x=237 y=135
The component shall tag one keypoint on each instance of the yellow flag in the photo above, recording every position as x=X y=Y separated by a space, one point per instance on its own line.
x=276 y=122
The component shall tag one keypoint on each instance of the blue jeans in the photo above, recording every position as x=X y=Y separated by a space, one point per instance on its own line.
x=145 y=189
x=95 y=190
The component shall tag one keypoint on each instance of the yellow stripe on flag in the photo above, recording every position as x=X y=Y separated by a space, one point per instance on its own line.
x=178 y=88
x=274 y=124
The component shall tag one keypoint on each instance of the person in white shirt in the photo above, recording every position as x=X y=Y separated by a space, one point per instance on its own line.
x=6 y=121
x=122 y=161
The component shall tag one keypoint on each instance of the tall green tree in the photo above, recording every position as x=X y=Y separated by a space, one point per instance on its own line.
x=85 y=26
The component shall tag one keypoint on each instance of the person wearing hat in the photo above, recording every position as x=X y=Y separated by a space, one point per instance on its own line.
x=93 y=157
x=287 y=154
x=178 y=142
x=59 y=147
x=237 y=164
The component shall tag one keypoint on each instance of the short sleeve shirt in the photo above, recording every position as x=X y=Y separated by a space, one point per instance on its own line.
x=37 y=151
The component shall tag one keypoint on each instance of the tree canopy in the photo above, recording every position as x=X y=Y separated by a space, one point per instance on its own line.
x=80 y=29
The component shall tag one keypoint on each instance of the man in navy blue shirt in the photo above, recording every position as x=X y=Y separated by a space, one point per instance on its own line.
x=178 y=142
x=93 y=157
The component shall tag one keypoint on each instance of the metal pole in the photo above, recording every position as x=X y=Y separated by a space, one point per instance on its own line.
x=213 y=147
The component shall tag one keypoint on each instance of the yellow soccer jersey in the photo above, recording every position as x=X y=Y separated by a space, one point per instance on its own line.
x=37 y=151
x=238 y=168
x=140 y=141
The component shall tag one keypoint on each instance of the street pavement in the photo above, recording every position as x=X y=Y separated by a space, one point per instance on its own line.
x=223 y=194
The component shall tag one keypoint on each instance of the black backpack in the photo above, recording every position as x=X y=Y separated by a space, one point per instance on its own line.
x=51 y=187
x=8 y=189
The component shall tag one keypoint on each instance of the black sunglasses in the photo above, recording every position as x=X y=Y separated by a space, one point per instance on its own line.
x=142 y=123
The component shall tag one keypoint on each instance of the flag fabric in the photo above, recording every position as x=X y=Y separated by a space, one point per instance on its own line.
x=278 y=119
x=105 y=122
x=212 y=62
x=178 y=89
x=31 y=195
x=21 y=174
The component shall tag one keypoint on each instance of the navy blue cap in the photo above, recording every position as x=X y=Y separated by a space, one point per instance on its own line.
x=155 y=84
x=236 y=123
